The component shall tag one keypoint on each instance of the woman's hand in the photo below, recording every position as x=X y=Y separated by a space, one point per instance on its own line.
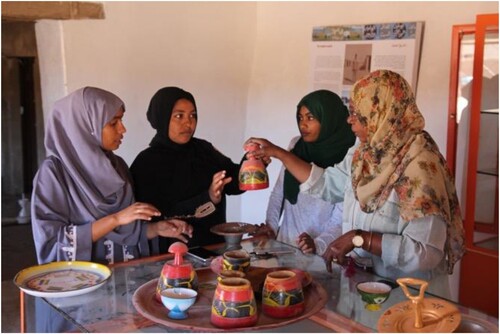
x=173 y=228
x=264 y=230
x=219 y=180
x=306 y=244
x=132 y=213
x=299 y=168
x=337 y=250
x=266 y=151
x=136 y=211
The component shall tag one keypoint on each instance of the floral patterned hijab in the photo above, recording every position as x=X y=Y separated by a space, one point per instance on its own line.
x=400 y=155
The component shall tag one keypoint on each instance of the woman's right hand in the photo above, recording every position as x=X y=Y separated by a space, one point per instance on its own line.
x=136 y=211
x=219 y=180
x=266 y=151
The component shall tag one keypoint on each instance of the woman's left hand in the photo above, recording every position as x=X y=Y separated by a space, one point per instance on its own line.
x=219 y=180
x=337 y=250
x=174 y=228
x=306 y=243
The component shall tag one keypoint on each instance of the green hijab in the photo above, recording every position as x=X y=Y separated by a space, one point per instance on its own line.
x=335 y=136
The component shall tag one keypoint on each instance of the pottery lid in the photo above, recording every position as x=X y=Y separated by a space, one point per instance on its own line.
x=178 y=249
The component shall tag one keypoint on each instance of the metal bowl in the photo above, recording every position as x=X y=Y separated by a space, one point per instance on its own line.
x=471 y=324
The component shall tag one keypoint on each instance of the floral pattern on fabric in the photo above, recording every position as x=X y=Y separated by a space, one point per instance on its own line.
x=400 y=155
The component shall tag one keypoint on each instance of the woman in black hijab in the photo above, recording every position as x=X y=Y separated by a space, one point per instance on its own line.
x=177 y=172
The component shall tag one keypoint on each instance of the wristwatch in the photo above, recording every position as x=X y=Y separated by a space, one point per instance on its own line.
x=358 y=240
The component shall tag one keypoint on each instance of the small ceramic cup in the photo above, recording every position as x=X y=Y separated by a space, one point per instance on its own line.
x=230 y=274
x=236 y=260
x=178 y=300
x=373 y=294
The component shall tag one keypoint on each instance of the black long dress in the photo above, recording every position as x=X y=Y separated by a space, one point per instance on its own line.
x=176 y=181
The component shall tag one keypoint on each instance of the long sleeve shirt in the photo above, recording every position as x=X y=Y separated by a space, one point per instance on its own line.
x=320 y=219
x=409 y=248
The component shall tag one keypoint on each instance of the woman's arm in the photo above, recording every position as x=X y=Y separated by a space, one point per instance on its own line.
x=332 y=229
x=296 y=166
x=173 y=228
x=420 y=246
x=137 y=211
x=58 y=229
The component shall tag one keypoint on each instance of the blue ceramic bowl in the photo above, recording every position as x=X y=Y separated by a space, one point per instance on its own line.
x=178 y=300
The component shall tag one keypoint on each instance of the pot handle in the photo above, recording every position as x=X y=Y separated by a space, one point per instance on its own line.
x=416 y=300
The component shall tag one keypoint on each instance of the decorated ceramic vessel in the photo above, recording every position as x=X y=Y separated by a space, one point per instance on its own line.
x=373 y=294
x=236 y=260
x=177 y=273
x=230 y=274
x=253 y=174
x=233 y=304
x=282 y=295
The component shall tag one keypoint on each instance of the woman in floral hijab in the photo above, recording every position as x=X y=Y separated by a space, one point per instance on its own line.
x=398 y=154
x=401 y=211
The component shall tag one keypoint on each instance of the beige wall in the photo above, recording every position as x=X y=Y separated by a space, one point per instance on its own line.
x=247 y=64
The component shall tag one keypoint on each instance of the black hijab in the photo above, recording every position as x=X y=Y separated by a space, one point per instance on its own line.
x=160 y=112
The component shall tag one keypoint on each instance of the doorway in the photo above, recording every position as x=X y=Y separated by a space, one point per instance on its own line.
x=473 y=156
x=22 y=120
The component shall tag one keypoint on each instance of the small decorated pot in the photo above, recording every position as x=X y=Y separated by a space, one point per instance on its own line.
x=233 y=304
x=230 y=274
x=176 y=273
x=253 y=174
x=282 y=295
x=236 y=260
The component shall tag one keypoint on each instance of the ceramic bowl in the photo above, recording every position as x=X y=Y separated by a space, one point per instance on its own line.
x=373 y=294
x=178 y=300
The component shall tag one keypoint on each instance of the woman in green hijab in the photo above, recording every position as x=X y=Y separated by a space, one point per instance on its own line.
x=310 y=223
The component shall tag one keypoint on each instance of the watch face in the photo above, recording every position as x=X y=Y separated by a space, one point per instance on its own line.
x=358 y=241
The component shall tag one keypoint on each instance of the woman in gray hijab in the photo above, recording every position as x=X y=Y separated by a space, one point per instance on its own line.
x=82 y=203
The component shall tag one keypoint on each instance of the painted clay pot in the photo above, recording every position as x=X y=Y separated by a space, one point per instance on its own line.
x=233 y=304
x=176 y=273
x=236 y=260
x=282 y=295
x=230 y=274
x=253 y=174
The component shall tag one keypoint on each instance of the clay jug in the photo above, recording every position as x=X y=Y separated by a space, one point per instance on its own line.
x=177 y=273
x=253 y=173
x=233 y=304
x=282 y=295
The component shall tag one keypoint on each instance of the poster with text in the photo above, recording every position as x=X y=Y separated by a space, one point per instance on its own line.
x=343 y=54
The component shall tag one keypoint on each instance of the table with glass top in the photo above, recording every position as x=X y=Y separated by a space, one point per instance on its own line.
x=110 y=307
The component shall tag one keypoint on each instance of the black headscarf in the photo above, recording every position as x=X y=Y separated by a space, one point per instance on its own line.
x=335 y=136
x=160 y=112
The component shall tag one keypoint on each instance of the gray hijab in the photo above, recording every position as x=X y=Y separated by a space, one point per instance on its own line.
x=73 y=136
